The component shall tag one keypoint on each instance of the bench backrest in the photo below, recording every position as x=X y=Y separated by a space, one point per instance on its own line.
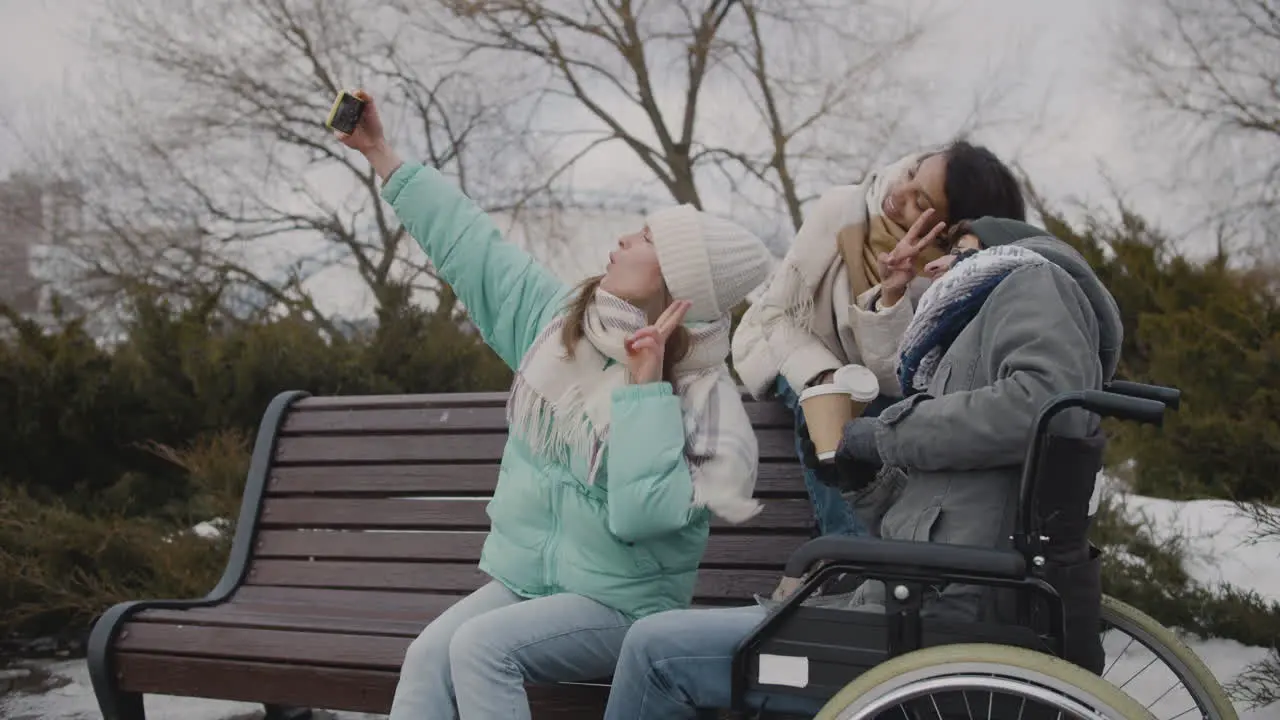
x=378 y=499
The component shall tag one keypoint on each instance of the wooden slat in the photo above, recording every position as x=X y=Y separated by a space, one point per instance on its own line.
x=437 y=514
x=307 y=685
x=369 y=602
x=398 y=420
x=757 y=551
x=448 y=577
x=396 y=605
x=323 y=649
x=379 y=514
x=385 y=480
x=349 y=449
x=361 y=402
x=776 y=479
x=443 y=418
x=314 y=621
x=713 y=585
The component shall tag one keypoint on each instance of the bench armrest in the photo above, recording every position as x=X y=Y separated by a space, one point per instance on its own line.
x=876 y=554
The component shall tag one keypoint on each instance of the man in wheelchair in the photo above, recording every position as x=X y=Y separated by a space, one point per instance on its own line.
x=1018 y=319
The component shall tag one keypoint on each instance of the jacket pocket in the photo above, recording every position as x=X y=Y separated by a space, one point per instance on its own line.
x=871 y=503
x=925 y=523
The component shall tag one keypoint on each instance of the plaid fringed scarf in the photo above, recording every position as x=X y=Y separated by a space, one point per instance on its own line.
x=561 y=406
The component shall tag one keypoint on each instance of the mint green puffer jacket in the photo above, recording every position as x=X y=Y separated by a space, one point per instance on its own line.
x=630 y=540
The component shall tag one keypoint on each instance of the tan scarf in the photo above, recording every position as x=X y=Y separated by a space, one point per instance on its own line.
x=561 y=407
x=859 y=250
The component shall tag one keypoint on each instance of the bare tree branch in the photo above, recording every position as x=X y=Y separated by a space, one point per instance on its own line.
x=1214 y=66
x=217 y=144
x=771 y=98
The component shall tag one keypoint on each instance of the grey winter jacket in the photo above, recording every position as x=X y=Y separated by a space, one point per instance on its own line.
x=1044 y=330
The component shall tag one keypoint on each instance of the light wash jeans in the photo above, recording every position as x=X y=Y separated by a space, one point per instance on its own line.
x=473 y=661
x=676 y=663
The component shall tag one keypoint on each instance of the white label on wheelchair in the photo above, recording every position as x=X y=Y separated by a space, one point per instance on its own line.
x=788 y=670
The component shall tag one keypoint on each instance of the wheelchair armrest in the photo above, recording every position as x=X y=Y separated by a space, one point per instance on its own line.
x=875 y=554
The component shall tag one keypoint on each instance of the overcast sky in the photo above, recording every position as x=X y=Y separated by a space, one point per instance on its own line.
x=1060 y=50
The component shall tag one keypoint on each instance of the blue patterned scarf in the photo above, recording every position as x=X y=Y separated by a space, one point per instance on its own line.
x=948 y=306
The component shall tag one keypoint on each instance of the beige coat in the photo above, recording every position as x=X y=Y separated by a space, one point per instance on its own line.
x=842 y=330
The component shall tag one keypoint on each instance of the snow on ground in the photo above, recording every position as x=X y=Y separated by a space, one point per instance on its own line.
x=1219 y=550
x=1217 y=543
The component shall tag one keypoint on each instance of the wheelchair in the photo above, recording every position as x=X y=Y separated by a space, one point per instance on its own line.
x=1044 y=656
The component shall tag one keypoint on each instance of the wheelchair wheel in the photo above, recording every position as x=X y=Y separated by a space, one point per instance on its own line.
x=1154 y=667
x=998 y=682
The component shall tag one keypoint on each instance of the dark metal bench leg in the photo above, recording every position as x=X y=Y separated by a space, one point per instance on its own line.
x=116 y=705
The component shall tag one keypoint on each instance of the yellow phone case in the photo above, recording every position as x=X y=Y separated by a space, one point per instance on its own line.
x=333 y=111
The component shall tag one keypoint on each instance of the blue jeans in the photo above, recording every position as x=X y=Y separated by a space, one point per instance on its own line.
x=832 y=512
x=474 y=660
x=676 y=663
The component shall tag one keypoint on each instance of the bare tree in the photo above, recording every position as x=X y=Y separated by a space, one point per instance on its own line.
x=771 y=100
x=210 y=163
x=1215 y=66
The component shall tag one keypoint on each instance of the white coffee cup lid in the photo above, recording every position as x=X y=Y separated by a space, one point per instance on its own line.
x=825 y=389
x=860 y=382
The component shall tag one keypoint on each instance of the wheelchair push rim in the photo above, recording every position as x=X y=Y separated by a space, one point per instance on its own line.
x=981 y=671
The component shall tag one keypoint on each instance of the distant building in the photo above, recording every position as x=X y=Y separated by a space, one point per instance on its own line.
x=37 y=217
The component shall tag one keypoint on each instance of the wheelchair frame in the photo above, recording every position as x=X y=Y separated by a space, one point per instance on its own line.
x=909 y=568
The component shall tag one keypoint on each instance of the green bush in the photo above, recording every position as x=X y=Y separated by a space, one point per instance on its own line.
x=1209 y=328
x=78 y=420
x=60 y=568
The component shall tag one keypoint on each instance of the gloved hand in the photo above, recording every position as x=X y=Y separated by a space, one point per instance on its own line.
x=849 y=472
x=859 y=442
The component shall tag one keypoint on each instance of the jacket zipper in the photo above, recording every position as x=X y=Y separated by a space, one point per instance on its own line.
x=549 y=559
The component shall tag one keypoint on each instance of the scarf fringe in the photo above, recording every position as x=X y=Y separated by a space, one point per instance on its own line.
x=558 y=430
x=799 y=304
x=724 y=502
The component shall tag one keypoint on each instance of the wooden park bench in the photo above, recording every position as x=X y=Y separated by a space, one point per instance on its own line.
x=362 y=520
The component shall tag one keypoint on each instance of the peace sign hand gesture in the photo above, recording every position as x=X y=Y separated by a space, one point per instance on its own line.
x=898 y=268
x=647 y=346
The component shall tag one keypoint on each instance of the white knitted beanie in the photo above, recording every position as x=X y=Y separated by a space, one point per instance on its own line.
x=710 y=262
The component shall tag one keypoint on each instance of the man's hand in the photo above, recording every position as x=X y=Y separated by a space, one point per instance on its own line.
x=859 y=441
x=898 y=267
x=848 y=473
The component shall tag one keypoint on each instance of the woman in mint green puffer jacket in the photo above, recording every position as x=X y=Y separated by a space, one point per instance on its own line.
x=587 y=533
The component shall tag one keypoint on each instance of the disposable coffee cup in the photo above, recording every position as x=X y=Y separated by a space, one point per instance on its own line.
x=826 y=409
x=862 y=385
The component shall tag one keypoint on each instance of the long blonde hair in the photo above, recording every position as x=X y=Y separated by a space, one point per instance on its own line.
x=574 y=330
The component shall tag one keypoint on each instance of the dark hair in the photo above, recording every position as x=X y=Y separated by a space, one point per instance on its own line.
x=678 y=344
x=977 y=184
x=949 y=237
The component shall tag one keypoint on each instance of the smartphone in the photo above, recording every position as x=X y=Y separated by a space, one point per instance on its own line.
x=346 y=112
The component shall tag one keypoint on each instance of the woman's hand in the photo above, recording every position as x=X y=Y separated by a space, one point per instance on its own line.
x=939 y=267
x=898 y=268
x=369 y=133
x=647 y=347
x=370 y=139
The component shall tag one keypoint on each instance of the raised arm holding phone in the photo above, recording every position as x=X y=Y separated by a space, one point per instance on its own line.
x=588 y=534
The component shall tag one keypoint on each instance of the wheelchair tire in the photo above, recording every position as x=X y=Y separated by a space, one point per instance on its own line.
x=1200 y=682
x=979 y=668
